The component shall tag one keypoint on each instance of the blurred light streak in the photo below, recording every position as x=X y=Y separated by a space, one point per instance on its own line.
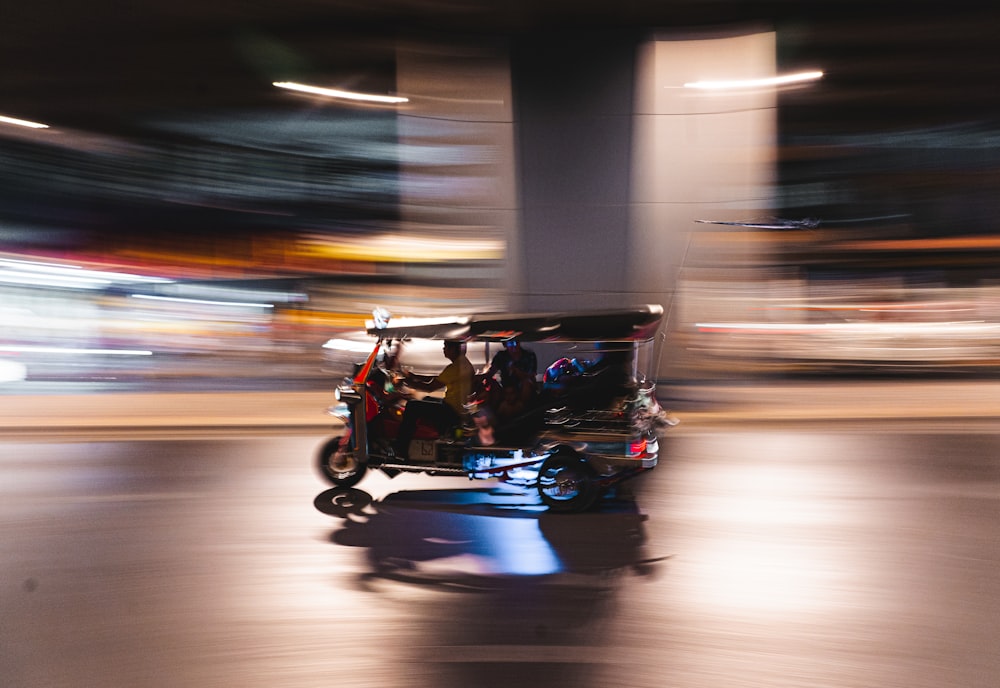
x=927 y=244
x=206 y=292
x=766 y=82
x=337 y=93
x=397 y=248
x=73 y=351
x=12 y=371
x=888 y=328
x=202 y=302
x=22 y=123
x=16 y=271
x=32 y=279
x=37 y=265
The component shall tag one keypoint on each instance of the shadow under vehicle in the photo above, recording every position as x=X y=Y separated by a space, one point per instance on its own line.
x=593 y=419
x=484 y=538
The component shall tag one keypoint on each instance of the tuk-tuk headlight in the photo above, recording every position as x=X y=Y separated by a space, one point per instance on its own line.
x=347 y=395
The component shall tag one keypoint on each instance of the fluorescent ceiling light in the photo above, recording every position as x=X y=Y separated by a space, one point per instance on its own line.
x=23 y=123
x=337 y=93
x=732 y=84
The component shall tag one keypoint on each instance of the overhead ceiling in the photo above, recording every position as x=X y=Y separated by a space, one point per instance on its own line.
x=103 y=64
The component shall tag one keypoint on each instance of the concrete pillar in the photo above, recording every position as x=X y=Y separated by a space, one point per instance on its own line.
x=698 y=154
x=574 y=99
x=586 y=156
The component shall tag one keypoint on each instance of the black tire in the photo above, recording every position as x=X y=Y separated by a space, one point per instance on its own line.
x=566 y=483
x=340 y=466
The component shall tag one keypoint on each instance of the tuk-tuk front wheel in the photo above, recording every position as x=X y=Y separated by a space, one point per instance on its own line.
x=338 y=463
x=567 y=483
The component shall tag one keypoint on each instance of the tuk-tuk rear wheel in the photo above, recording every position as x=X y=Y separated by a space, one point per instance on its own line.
x=338 y=464
x=566 y=483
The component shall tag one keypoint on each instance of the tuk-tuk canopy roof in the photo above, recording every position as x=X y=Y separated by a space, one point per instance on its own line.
x=638 y=323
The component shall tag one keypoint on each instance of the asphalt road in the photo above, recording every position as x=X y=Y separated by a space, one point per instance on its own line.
x=779 y=554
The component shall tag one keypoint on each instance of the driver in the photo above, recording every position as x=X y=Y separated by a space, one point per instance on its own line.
x=518 y=368
x=456 y=379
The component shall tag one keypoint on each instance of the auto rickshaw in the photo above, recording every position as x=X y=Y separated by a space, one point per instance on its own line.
x=591 y=422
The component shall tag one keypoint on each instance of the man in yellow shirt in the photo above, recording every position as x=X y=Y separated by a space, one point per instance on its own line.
x=456 y=379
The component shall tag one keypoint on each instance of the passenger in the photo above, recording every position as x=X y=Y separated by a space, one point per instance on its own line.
x=561 y=375
x=484 y=426
x=512 y=403
x=607 y=377
x=456 y=379
x=518 y=368
x=591 y=383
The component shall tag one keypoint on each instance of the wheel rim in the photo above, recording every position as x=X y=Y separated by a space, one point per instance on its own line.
x=342 y=464
x=562 y=482
x=339 y=464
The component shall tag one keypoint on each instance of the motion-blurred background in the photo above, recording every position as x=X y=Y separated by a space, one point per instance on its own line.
x=216 y=189
x=195 y=197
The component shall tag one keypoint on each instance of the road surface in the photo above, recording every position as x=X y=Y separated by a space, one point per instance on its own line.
x=772 y=554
